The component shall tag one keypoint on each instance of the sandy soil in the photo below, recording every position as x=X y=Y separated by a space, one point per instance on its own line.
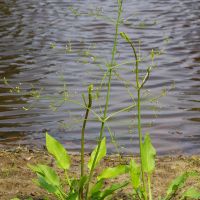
x=16 y=178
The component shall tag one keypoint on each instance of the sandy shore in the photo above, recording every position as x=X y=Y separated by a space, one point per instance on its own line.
x=16 y=178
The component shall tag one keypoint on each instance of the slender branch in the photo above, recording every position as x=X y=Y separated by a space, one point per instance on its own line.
x=138 y=106
x=119 y=111
x=139 y=112
x=116 y=145
x=107 y=96
x=83 y=128
x=140 y=139
x=86 y=107
x=83 y=133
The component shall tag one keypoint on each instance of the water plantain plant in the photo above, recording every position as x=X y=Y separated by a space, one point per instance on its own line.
x=140 y=175
x=88 y=187
x=50 y=181
x=83 y=188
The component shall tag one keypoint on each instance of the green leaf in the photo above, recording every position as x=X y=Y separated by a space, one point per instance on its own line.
x=102 y=153
x=96 y=196
x=48 y=180
x=58 y=151
x=82 y=181
x=148 y=155
x=178 y=183
x=191 y=193
x=48 y=174
x=77 y=184
x=112 y=189
x=135 y=172
x=73 y=196
x=42 y=182
x=113 y=172
x=95 y=189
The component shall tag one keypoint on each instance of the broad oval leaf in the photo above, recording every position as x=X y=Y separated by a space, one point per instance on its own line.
x=101 y=154
x=148 y=155
x=48 y=174
x=47 y=179
x=58 y=151
x=113 y=172
x=135 y=171
x=47 y=186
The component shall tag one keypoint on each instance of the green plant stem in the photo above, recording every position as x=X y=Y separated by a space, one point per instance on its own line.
x=107 y=96
x=83 y=135
x=149 y=187
x=83 y=132
x=117 y=112
x=95 y=158
x=139 y=87
x=114 y=142
x=139 y=114
x=140 y=139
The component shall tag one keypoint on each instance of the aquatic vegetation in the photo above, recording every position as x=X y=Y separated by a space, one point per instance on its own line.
x=88 y=187
x=50 y=181
x=141 y=175
x=83 y=188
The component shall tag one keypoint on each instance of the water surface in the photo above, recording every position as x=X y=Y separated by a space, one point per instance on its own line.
x=44 y=44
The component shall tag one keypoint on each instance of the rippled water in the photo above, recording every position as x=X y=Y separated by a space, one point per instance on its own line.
x=33 y=39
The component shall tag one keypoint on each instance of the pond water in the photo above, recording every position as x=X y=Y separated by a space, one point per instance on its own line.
x=44 y=44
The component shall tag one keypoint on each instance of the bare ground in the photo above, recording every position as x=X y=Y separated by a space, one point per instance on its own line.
x=16 y=177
